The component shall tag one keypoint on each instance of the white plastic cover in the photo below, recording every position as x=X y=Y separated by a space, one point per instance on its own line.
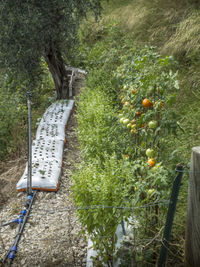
x=76 y=69
x=92 y=253
x=57 y=113
x=45 y=175
x=47 y=148
x=51 y=130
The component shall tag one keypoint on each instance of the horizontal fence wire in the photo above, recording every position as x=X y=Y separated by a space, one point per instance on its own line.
x=101 y=236
x=186 y=170
x=59 y=240
x=96 y=207
x=41 y=211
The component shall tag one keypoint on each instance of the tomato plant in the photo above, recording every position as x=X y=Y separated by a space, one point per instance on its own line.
x=125 y=114
x=147 y=88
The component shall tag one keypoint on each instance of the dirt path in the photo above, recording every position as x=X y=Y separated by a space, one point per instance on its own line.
x=51 y=236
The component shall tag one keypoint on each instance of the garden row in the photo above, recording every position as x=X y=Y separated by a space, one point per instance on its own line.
x=126 y=115
x=47 y=148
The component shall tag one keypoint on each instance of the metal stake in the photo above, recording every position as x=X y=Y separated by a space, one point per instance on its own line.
x=29 y=180
x=170 y=218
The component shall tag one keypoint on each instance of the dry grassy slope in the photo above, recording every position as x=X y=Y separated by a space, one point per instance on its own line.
x=172 y=25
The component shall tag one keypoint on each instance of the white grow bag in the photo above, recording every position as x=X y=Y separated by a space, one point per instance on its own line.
x=58 y=113
x=45 y=176
x=51 y=131
x=47 y=148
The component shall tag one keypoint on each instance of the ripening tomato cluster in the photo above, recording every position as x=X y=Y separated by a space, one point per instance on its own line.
x=133 y=115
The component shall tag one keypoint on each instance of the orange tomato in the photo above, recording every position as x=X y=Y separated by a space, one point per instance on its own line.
x=138 y=113
x=151 y=162
x=147 y=103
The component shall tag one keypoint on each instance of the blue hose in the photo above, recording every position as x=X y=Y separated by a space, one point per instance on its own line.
x=21 y=221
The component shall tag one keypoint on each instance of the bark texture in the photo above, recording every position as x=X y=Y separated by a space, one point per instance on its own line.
x=192 y=244
x=59 y=73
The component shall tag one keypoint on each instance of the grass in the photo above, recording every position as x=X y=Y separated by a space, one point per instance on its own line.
x=186 y=39
x=172 y=26
x=13 y=112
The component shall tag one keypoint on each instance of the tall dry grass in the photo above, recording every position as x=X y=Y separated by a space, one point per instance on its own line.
x=186 y=38
x=172 y=25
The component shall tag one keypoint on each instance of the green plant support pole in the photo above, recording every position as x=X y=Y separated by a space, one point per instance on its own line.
x=29 y=179
x=170 y=217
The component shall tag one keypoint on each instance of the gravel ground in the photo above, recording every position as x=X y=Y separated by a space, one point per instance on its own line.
x=52 y=234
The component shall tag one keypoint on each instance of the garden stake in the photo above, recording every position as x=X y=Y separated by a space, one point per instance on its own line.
x=170 y=217
x=29 y=180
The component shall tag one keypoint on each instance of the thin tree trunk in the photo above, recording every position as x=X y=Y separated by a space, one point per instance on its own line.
x=59 y=73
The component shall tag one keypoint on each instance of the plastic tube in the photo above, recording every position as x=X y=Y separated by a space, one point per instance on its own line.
x=22 y=221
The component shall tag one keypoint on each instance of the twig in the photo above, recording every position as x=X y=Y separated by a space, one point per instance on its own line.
x=153 y=239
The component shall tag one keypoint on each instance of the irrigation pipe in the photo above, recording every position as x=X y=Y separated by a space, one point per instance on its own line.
x=8 y=223
x=23 y=219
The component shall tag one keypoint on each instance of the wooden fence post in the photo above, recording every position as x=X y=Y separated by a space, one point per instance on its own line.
x=192 y=243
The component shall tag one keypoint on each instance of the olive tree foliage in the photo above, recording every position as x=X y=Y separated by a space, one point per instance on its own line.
x=32 y=29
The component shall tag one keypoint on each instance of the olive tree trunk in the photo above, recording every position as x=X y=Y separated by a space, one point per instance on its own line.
x=59 y=73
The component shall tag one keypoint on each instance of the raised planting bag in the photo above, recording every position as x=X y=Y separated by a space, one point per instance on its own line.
x=47 y=148
x=45 y=176
x=51 y=131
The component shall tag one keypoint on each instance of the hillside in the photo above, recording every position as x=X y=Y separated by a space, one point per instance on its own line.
x=138 y=50
x=174 y=28
x=138 y=119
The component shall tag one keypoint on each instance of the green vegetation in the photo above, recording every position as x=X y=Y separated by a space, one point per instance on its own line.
x=37 y=39
x=13 y=111
x=173 y=27
x=35 y=29
x=130 y=150
x=127 y=159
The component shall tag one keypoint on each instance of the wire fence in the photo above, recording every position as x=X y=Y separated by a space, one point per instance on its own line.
x=66 y=238
x=186 y=171
x=41 y=211
x=59 y=211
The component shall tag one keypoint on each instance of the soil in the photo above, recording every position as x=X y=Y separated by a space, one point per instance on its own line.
x=9 y=178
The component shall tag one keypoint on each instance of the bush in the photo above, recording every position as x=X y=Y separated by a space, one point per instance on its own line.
x=97 y=186
x=13 y=110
